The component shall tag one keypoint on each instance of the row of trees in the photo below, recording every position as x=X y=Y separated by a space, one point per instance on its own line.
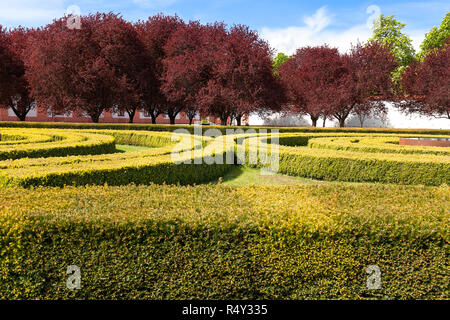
x=166 y=66
x=322 y=83
x=161 y=65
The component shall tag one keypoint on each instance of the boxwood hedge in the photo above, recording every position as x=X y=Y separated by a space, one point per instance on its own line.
x=356 y=164
x=141 y=167
x=190 y=128
x=217 y=242
x=54 y=143
x=343 y=156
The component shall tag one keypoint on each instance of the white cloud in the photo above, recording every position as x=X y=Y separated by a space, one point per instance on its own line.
x=317 y=31
x=30 y=12
x=318 y=20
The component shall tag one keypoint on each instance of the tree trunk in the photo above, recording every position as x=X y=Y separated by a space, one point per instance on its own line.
x=314 y=121
x=361 y=120
x=95 y=118
x=223 y=121
x=172 y=119
x=22 y=116
x=131 y=116
x=153 y=118
x=342 y=122
x=324 y=121
x=190 y=121
x=238 y=120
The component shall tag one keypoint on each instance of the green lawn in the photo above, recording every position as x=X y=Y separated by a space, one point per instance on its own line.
x=128 y=148
x=243 y=176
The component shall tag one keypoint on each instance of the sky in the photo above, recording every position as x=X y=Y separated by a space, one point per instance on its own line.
x=285 y=24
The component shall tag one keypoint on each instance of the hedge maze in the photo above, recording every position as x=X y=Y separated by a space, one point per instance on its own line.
x=140 y=225
x=56 y=157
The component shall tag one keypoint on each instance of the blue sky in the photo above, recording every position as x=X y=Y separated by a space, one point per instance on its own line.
x=286 y=24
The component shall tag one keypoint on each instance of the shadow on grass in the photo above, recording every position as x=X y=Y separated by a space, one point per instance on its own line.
x=242 y=176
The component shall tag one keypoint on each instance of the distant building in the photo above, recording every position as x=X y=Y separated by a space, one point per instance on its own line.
x=43 y=115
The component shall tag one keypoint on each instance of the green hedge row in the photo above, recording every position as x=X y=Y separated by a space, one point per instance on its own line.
x=154 y=165
x=215 y=242
x=373 y=144
x=160 y=171
x=353 y=166
x=365 y=170
x=165 y=127
x=51 y=143
x=137 y=138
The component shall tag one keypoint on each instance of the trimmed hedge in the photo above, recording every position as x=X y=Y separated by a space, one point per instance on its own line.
x=55 y=143
x=190 y=128
x=356 y=166
x=216 y=242
x=385 y=144
x=141 y=167
x=313 y=155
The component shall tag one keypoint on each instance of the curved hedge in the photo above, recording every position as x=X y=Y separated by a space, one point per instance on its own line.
x=53 y=143
x=143 y=167
x=323 y=160
x=217 y=242
x=190 y=128
x=342 y=156
x=374 y=144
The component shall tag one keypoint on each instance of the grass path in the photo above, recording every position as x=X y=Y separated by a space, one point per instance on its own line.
x=243 y=176
x=129 y=148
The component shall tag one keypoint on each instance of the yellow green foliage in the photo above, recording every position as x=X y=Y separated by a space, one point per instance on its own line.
x=170 y=128
x=327 y=155
x=141 y=167
x=333 y=156
x=35 y=143
x=218 y=242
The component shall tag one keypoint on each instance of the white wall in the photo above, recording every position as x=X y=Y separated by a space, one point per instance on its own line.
x=395 y=119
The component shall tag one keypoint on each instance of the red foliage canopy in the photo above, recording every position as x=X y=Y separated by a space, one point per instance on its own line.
x=242 y=78
x=313 y=78
x=320 y=82
x=427 y=84
x=189 y=64
x=226 y=73
x=14 y=87
x=154 y=35
x=367 y=83
x=86 y=70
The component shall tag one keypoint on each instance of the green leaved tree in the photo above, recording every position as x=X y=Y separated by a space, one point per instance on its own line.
x=278 y=61
x=388 y=31
x=436 y=37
